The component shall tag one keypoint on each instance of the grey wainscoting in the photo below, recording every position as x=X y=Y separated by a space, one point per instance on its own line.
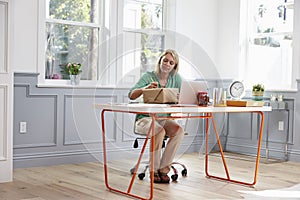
x=63 y=126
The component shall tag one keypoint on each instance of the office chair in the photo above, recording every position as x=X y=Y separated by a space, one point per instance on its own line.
x=142 y=175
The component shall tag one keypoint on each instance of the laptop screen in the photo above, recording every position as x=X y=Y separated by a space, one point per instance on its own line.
x=189 y=91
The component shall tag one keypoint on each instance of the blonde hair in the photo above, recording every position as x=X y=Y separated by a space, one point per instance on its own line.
x=176 y=60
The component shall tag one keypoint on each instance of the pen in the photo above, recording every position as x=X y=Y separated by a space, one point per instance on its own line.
x=153 y=81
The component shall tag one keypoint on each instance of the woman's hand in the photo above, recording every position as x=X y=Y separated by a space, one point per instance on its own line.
x=138 y=92
x=152 y=85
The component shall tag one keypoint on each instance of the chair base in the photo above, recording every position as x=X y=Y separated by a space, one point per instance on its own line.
x=174 y=177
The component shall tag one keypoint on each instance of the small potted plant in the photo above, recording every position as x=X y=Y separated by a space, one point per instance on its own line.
x=74 y=70
x=258 y=92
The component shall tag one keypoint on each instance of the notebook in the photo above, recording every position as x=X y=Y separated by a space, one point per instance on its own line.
x=189 y=90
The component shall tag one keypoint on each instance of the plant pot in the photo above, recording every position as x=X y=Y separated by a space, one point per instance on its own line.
x=75 y=79
x=257 y=95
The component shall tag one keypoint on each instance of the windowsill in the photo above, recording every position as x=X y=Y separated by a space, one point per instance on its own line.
x=83 y=85
x=278 y=90
x=78 y=86
x=282 y=90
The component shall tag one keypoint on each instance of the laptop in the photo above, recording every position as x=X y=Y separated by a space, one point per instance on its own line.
x=189 y=90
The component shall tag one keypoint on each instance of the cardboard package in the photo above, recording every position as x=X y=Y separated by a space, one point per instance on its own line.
x=161 y=95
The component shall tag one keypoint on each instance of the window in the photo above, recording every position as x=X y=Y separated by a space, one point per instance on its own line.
x=72 y=35
x=115 y=41
x=268 y=45
x=143 y=30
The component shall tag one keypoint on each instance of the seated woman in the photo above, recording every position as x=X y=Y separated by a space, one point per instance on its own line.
x=164 y=76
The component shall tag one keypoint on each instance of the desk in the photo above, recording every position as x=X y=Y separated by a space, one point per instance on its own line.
x=196 y=112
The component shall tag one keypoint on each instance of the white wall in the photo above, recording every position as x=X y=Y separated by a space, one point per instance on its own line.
x=214 y=25
x=197 y=19
x=25 y=35
x=228 y=38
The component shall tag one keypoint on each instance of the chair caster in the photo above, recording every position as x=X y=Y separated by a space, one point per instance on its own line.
x=141 y=176
x=174 y=177
x=184 y=172
x=132 y=170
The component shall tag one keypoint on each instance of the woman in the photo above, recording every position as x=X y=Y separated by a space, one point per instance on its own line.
x=164 y=76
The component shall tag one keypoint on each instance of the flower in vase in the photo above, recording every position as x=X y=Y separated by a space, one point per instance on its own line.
x=74 y=68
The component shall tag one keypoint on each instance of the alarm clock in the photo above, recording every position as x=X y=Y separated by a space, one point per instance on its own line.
x=236 y=89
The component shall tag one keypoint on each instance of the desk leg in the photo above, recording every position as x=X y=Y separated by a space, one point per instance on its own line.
x=104 y=149
x=220 y=147
x=151 y=132
x=259 y=145
x=152 y=155
x=287 y=136
x=127 y=193
x=222 y=153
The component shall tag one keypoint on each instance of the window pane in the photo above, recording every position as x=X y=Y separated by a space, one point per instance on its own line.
x=144 y=48
x=142 y=15
x=74 y=10
x=273 y=16
x=143 y=52
x=66 y=43
x=152 y=47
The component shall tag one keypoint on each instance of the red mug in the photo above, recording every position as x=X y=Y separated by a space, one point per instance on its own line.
x=203 y=99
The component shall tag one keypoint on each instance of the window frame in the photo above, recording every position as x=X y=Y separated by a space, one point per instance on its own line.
x=122 y=29
x=42 y=81
x=111 y=27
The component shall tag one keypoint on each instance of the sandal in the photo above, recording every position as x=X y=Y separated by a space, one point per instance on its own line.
x=157 y=178
x=164 y=178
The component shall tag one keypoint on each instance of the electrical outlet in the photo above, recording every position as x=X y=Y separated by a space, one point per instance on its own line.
x=280 y=125
x=23 y=127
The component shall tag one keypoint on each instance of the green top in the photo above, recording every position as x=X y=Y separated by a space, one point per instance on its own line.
x=148 y=77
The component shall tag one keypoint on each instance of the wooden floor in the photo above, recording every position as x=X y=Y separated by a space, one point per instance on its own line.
x=276 y=180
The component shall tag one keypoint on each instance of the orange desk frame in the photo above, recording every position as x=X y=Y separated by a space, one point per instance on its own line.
x=205 y=115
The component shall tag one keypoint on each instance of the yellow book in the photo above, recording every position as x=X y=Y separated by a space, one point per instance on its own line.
x=245 y=103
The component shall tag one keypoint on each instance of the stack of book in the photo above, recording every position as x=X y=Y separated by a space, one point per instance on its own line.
x=245 y=103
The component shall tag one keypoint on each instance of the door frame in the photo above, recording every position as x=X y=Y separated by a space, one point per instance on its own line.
x=6 y=92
